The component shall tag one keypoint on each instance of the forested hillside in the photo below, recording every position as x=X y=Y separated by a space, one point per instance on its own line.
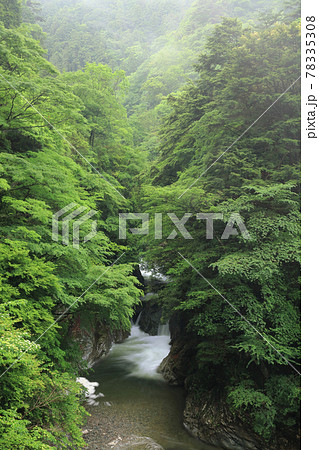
x=121 y=34
x=167 y=106
x=43 y=172
x=259 y=178
x=168 y=36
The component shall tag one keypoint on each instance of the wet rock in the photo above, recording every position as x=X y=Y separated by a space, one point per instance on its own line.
x=211 y=421
x=95 y=338
x=177 y=364
x=151 y=315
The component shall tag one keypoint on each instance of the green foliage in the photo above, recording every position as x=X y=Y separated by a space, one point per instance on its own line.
x=10 y=13
x=249 y=399
x=155 y=42
x=39 y=408
x=241 y=73
x=42 y=123
x=121 y=34
x=110 y=136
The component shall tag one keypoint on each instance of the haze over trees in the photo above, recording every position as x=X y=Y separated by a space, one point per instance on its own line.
x=149 y=94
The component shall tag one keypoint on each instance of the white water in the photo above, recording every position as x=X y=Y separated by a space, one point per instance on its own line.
x=163 y=330
x=90 y=394
x=138 y=319
x=148 y=274
x=142 y=353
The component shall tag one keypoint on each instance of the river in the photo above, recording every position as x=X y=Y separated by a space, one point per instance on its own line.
x=136 y=400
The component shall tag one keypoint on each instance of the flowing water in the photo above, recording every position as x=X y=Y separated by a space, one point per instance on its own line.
x=135 y=394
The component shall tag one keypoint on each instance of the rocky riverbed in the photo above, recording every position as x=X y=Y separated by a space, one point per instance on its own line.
x=115 y=432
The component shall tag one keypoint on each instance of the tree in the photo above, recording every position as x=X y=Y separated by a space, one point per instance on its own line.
x=10 y=13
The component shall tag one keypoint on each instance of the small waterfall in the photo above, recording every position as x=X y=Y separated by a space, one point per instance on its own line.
x=138 y=319
x=148 y=274
x=163 y=330
x=141 y=354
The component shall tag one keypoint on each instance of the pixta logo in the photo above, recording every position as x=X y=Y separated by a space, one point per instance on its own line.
x=65 y=227
x=235 y=223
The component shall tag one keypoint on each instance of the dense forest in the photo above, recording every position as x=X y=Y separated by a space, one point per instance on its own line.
x=154 y=107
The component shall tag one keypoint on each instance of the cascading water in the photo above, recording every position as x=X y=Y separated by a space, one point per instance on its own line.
x=142 y=353
x=163 y=330
x=138 y=319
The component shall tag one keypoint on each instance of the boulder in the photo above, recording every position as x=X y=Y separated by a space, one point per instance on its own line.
x=211 y=421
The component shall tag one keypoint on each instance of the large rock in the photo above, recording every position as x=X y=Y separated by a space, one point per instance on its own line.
x=95 y=339
x=178 y=363
x=212 y=422
x=151 y=314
